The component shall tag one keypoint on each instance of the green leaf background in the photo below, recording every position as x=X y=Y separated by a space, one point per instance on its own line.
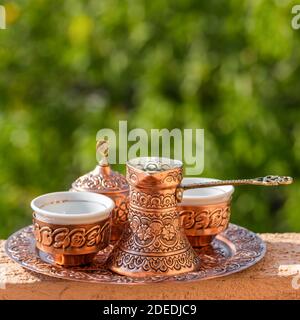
x=69 y=68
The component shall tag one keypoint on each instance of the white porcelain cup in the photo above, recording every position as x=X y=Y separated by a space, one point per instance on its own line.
x=72 y=226
x=205 y=212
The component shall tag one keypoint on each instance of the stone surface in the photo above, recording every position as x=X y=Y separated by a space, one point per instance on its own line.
x=272 y=278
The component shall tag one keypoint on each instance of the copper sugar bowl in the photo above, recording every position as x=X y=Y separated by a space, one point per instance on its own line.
x=153 y=242
x=104 y=180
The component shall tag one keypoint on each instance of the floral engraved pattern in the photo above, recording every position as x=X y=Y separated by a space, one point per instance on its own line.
x=144 y=232
x=61 y=238
x=168 y=232
x=120 y=213
x=131 y=176
x=156 y=228
x=154 y=242
x=160 y=265
x=154 y=234
x=218 y=260
x=157 y=201
x=77 y=237
x=170 y=177
x=68 y=238
x=173 y=177
x=198 y=219
x=45 y=235
x=134 y=225
x=90 y=181
x=93 y=236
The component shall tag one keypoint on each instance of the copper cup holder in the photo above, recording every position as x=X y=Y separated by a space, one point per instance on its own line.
x=72 y=227
x=204 y=213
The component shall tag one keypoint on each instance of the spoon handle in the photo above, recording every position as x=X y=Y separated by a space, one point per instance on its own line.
x=261 y=181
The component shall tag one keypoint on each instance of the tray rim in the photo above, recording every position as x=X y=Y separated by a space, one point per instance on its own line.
x=148 y=280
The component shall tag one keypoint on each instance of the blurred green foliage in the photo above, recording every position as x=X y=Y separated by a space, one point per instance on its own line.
x=69 y=68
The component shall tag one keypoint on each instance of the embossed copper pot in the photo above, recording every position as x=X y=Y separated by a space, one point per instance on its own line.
x=103 y=180
x=205 y=212
x=72 y=227
x=154 y=242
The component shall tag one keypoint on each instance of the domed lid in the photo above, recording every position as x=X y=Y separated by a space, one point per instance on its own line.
x=102 y=179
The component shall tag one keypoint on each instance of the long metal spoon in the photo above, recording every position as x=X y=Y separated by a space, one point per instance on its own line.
x=261 y=181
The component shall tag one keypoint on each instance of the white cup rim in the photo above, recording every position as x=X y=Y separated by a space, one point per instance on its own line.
x=198 y=196
x=63 y=218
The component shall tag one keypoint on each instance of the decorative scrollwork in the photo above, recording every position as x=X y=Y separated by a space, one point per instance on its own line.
x=90 y=181
x=60 y=239
x=232 y=251
x=131 y=176
x=120 y=212
x=200 y=219
x=172 y=177
x=174 y=262
x=154 y=201
x=151 y=234
x=274 y=180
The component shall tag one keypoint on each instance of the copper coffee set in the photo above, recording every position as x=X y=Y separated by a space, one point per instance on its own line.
x=151 y=227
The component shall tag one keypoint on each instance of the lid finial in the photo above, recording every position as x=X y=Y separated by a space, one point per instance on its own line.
x=102 y=149
x=102 y=179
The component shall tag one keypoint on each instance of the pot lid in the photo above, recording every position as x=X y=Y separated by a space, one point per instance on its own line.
x=102 y=179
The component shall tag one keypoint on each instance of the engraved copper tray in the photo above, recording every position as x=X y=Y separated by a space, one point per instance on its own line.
x=232 y=251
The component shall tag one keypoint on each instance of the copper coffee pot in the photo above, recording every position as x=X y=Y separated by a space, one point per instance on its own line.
x=154 y=242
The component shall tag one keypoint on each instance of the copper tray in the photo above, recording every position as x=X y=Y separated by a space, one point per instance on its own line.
x=232 y=251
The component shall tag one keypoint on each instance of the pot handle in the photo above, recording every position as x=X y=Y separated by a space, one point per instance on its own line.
x=261 y=181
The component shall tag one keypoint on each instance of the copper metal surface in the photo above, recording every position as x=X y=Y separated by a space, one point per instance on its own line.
x=72 y=245
x=105 y=181
x=153 y=242
x=231 y=251
x=202 y=223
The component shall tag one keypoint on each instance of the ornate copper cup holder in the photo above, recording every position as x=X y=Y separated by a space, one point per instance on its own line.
x=233 y=250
